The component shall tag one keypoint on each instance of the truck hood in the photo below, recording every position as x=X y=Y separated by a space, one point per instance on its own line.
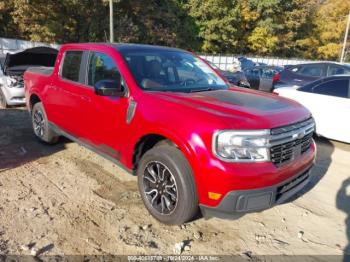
x=242 y=108
x=17 y=63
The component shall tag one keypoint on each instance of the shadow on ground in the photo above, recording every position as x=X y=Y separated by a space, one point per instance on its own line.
x=325 y=149
x=343 y=203
x=18 y=145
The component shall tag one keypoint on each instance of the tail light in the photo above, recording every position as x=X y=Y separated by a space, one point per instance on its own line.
x=276 y=78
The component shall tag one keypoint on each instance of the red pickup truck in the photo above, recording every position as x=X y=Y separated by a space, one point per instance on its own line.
x=169 y=118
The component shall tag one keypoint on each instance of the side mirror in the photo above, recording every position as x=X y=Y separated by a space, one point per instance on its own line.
x=110 y=87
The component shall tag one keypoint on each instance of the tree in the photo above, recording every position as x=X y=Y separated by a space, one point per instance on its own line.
x=151 y=21
x=288 y=28
x=325 y=39
x=218 y=22
x=264 y=27
x=61 y=21
x=8 y=27
x=262 y=41
x=273 y=26
x=155 y=22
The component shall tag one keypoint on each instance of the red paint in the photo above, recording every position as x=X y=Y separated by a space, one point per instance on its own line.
x=276 y=78
x=187 y=119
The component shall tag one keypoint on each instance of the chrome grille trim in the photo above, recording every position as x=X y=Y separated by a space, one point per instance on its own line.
x=288 y=128
x=290 y=136
x=294 y=141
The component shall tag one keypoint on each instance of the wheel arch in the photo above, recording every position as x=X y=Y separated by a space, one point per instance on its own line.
x=151 y=139
x=33 y=99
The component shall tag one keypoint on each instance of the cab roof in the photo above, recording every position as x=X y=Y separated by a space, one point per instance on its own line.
x=124 y=47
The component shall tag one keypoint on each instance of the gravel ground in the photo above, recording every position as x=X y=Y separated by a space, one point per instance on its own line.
x=64 y=199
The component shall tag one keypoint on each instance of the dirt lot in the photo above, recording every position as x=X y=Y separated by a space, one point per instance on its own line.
x=64 y=199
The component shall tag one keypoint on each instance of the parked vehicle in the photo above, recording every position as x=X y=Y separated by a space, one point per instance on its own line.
x=262 y=77
x=236 y=78
x=13 y=67
x=245 y=63
x=300 y=75
x=328 y=99
x=166 y=116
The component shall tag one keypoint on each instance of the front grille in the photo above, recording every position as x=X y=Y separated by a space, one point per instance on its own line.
x=289 y=142
x=291 y=184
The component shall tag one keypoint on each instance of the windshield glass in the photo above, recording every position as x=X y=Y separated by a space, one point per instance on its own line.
x=167 y=70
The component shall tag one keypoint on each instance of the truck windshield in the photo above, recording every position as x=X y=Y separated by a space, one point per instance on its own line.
x=167 y=70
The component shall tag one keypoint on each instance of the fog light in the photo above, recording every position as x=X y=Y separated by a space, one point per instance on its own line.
x=214 y=196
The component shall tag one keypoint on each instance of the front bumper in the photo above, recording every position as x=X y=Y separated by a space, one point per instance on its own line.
x=245 y=201
x=14 y=96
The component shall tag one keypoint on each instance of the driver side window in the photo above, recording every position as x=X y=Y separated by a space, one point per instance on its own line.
x=101 y=67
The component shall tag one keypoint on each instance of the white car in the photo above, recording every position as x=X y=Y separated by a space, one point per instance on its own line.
x=13 y=67
x=328 y=99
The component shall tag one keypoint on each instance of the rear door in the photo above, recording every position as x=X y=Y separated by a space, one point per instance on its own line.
x=64 y=94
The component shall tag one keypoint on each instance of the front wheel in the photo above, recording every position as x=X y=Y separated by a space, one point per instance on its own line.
x=166 y=185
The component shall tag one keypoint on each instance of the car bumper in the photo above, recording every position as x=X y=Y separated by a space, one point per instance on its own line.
x=14 y=96
x=239 y=202
x=247 y=187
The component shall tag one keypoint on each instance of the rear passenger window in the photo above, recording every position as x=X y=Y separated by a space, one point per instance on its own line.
x=312 y=70
x=71 y=65
x=337 y=70
x=101 y=67
x=338 y=88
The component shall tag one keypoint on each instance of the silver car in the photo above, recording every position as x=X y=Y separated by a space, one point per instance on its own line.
x=13 y=67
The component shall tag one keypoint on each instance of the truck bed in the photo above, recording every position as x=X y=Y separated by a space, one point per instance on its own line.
x=41 y=70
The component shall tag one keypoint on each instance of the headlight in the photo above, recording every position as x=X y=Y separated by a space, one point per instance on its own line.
x=11 y=82
x=242 y=146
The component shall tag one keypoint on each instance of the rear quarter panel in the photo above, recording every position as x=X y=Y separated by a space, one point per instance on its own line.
x=35 y=84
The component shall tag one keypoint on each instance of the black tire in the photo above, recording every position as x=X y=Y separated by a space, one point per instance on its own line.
x=3 y=103
x=178 y=169
x=41 y=126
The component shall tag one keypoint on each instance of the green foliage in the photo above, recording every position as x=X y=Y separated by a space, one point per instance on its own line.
x=219 y=22
x=7 y=26
x=262 y=41
x=290 y=28
x=155 y=22
x=326 y=37
x=61 y=21
x=150 y=21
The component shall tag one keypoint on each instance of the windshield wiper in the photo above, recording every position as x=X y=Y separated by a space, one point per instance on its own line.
x=202 y=89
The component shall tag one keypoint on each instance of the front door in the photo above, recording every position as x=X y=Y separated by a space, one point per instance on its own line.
x=105 y=116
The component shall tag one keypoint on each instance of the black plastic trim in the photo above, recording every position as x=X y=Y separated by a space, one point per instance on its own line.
x=240 y=202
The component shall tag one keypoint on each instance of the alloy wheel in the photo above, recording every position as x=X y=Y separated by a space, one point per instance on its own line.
x=39 y=123
x=160 y=187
